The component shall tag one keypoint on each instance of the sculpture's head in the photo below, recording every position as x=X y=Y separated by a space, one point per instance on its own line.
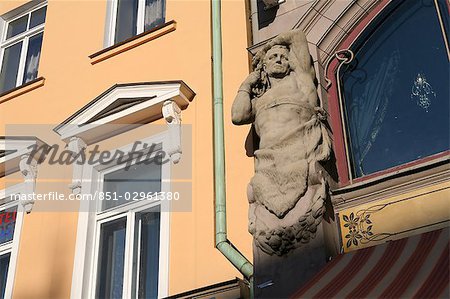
x=272 y=62
x=276 y=61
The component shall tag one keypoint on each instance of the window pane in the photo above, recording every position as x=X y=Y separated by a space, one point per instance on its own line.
x=111 y=259
x=4 y=265
x=154 y=13
x=128 y=183
x=396 y=90
x=33 y=55
x=147 y=253
x=16 y=27
x=126 y=19
x=10 y=67
x=38 y=17
x=7 y=224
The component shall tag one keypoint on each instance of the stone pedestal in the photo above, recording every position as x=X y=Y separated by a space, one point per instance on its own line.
x=281 y=276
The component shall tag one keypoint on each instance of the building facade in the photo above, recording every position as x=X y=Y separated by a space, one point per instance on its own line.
x=106 y=111
x=81 y=58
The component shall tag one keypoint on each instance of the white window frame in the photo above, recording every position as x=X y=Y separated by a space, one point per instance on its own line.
x=163 y=100
x=12 y=247
x=5 y=20
x=88 y=233
x=111 y=18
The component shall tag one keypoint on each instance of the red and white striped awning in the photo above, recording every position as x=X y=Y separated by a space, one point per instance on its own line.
x=414 y=267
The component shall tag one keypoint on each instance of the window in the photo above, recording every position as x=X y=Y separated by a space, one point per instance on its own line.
x=395 y=89
x=20 y=48
x=7 y=225
x=131 y=17
x=118 y=249
x=124 y=250
x=11 y=215
x=128 y=232
x=145 y=251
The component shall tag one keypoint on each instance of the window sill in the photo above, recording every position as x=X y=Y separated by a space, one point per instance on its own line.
x=19 y=90
x=432 y=171
x=133 y=42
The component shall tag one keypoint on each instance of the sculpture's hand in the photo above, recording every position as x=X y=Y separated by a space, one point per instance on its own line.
x=250 y=81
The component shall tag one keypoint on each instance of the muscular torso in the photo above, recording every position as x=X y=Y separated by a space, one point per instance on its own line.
x=283 y=106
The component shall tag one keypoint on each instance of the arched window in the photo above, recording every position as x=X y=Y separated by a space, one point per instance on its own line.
x=395 y=90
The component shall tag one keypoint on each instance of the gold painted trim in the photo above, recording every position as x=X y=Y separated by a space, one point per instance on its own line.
x=356 y=223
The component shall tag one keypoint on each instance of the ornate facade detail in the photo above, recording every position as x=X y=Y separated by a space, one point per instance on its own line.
x=287 y=194
x=28 y=168
x=344 y=56
x=360 y=227
x=422 y=92
x=77 y=147
x=172 y=114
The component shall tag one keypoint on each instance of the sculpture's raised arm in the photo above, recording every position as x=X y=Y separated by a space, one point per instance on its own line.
x=241 y=111
x=299 y=57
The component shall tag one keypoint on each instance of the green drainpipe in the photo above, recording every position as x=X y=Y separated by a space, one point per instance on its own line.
x=222 y=243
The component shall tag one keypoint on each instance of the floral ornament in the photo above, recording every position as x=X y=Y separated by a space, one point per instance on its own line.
x=422 y=92
x=360 y=228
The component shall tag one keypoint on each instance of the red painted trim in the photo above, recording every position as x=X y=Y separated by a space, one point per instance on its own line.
x=354 y=34
x=336 y=122
x=337 y=126
x=403 y=166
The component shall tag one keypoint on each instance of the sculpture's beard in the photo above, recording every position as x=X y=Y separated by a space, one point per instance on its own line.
x=279 y=73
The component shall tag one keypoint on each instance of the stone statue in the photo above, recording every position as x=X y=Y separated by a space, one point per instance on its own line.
x=279 y=97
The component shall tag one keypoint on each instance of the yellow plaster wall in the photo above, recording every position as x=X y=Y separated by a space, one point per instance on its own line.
x=396 y=217
x=73 y=31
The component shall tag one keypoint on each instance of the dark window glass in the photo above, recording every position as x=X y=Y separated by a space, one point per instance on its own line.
x=146 y=250
x=266 y=16
x=126 y=19
x=38 y=17
x=128 y=183
x=154 y=13
x=10 y=67
x=396 y=90
x=111 y=259
x=7 y=224
x=33 y=55
x=4 y=265
x=17 y=26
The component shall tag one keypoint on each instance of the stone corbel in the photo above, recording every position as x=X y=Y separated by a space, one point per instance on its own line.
x=28 y=168
x=77 y=148
x=172 y=114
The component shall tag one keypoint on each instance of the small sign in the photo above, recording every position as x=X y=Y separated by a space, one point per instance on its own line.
x=7 y=224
